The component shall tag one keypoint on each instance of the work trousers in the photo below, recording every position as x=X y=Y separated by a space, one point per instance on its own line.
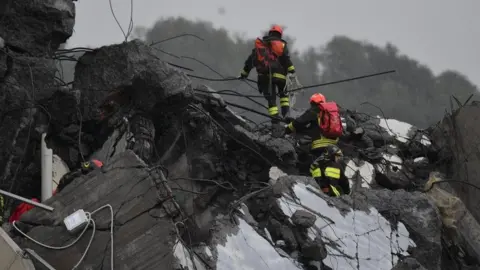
x=329 y=174
x=269 y=87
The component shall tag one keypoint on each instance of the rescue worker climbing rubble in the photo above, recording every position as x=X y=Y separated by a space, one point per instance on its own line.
x=327 y=168
x=272 y=61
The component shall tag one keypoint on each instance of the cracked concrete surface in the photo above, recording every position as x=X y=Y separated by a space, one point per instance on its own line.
x=132 y=192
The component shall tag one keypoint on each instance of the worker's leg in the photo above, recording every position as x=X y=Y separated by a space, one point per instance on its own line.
x=334 y=175
x=316 y=170
x=284 y=99
x=326 y=174
x=266 y=86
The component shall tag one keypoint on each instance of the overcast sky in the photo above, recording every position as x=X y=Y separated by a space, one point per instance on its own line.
x=444 y=34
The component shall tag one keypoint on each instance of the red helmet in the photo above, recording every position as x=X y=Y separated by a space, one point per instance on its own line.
x=317 y=98
x=277 y=28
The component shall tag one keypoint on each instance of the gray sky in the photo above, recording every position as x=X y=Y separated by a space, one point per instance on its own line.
x=439 y=33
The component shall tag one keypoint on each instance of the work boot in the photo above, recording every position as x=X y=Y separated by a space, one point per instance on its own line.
x=275 y=119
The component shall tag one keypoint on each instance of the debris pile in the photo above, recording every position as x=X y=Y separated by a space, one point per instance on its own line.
x=30 y=33
x=192 y=185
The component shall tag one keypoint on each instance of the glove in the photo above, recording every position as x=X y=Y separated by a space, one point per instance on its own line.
x=243 y=75
x=292 y=76
x=287 y=130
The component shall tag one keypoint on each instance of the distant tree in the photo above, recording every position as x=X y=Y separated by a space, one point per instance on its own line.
x=412 y=94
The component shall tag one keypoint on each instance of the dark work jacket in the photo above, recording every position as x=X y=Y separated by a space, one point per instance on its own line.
x=308 y=123
x=284 y=59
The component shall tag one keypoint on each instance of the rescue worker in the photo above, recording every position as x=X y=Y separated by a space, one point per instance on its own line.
x=327 y=167
x=272 y=61
x=86 y=167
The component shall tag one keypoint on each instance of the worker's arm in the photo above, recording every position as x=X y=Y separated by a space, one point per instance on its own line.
x=286 y=60
x=302 y=121
x=249 y=64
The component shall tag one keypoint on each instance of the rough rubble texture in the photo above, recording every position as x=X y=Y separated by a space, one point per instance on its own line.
x=192 y=185
x=139 y=217
x=36 y=28
x=456 y=138
x=127 y=68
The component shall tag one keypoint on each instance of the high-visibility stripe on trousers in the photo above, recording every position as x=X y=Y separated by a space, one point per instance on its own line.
x=279 y=76
x=284 y=102
x=273 y=111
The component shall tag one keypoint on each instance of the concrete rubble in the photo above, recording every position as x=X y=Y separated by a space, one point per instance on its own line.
x=192 y=185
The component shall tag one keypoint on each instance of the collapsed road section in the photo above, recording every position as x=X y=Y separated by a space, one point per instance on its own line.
x=182 y=182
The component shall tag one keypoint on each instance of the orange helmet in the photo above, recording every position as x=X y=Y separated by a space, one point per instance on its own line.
x=277 y=28
x=317 y=98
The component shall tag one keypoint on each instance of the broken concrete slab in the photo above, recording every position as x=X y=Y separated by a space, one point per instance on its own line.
x=278 y=149
x=461 y=228
x=132 y=68
x=26 y=80
x=36 y=28
x=347 y=223
x=212 y=160
x=214 y=103
x=232 y=248
x=128 y=186
x=456 y=140
x=418 y=213
x=9 y=252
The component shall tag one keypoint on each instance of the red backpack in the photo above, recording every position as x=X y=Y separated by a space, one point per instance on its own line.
x=329 y=120
x=267 y=54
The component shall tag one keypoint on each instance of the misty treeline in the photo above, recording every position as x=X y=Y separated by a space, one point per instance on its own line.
x=412 y=94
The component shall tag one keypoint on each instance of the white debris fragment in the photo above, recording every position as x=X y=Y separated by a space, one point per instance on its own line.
x=365 y=169
x=246 y=249
x=208 y=251
x=184 y=256
x=269 y=236
x=420 y=159
x=393 y=162
x=425 y=141
x=274 y=174
x=401 y=131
